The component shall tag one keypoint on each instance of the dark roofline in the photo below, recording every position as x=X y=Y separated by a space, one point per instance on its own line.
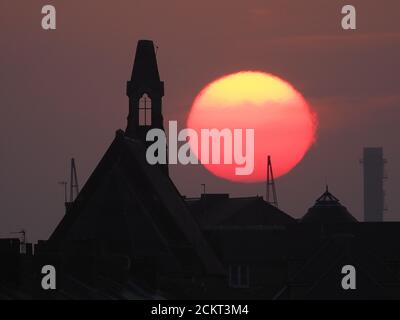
x=162 y=186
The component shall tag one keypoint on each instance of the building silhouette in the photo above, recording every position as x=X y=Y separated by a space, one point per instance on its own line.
x=129 y=234
x=145 y=91
x=327 y=210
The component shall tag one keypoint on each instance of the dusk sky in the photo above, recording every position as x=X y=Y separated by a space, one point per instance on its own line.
x=62 y=92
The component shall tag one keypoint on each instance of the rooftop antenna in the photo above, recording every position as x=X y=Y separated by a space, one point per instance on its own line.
x=73 y=183
x=270 y=186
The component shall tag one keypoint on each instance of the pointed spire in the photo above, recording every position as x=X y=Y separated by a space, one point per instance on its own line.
x=145 y=80
x=145 y=92
x=145 y=70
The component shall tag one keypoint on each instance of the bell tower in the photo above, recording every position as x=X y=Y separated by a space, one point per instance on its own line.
x=145 y=92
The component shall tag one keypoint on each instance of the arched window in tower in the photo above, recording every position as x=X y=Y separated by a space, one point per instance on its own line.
x=145 y=110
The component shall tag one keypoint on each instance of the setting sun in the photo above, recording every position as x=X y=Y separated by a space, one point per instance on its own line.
x=284 y=124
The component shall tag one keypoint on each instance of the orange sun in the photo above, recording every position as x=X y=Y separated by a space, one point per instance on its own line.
x=284 y=125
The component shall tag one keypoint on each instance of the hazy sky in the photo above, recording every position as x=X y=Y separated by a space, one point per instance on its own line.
x=62 y=93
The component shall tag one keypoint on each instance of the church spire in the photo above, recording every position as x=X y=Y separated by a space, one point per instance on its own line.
x=145 y=92
x=145 y=70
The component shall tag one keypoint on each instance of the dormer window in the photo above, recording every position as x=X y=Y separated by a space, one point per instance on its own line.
x=145 y=110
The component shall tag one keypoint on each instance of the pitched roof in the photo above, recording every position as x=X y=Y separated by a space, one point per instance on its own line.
x=328 y=209
x=123 y=196
x=219 y=209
